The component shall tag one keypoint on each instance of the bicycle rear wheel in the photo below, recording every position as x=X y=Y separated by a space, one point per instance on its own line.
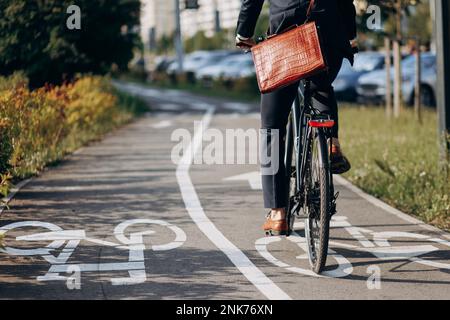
x=317 y=200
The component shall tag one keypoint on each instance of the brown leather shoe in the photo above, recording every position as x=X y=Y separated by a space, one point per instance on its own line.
x=339 y=162
x=275 y=227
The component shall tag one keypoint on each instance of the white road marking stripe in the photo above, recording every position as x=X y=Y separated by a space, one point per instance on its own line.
x=65 y=235
x=162 y=124
x=93 y=267
x=387 y=208
x=195 y=210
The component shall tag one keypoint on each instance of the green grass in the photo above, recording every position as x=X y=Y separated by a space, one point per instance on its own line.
x=397 y=161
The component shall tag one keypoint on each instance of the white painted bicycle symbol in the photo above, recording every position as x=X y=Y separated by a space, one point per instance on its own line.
x=66 y=241
x=380 y=246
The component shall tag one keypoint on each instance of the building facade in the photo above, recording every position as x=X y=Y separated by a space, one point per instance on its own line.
x=204 y=19
x=157 y=17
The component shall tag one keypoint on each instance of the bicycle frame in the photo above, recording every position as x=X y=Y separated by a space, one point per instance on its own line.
x=298 y=127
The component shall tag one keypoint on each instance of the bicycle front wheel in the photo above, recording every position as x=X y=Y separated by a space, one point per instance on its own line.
x=317 y=199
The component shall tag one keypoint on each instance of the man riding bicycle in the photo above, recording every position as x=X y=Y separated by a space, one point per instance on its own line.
x=336 y=19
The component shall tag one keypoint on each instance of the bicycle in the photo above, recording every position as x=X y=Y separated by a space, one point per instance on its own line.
x=308 y=171
x=308 y=143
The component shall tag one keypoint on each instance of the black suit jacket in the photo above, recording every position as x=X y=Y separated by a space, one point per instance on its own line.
x=336 y=19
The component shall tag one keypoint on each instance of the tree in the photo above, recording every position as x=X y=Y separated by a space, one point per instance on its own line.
x=34 y=38
x=220 y=40
x=165 y=45
x=420 y=24
x=417 y=12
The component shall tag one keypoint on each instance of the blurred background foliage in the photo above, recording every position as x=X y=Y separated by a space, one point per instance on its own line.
x=34 y=38
x=417 y=22
x=39 y=127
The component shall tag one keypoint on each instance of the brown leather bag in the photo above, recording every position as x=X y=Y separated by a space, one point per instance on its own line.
x=288 y=57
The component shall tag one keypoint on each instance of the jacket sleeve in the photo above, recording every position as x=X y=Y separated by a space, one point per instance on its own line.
x=348 y=14
x=248 y=16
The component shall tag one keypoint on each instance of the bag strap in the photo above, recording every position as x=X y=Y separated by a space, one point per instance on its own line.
x=308 y=16
x=310 y=8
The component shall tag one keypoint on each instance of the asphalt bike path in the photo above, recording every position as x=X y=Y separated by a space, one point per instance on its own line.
x=120 y=220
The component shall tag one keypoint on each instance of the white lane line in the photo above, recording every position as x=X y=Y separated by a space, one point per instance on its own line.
x=162 y=124
x=387 y=208
x=195 y=210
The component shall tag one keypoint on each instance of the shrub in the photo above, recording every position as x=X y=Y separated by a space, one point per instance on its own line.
x=5 y=145
x=41 y=126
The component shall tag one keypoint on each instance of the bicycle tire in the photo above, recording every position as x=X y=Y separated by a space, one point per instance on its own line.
x=317 y=223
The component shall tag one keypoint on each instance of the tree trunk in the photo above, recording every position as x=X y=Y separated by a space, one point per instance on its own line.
x=397 y=79
x=417 y=85
x=387 y=45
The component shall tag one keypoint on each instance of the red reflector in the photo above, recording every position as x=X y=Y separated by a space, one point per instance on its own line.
x=321 y=123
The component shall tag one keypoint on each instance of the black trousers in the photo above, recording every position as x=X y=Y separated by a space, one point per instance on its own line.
x=275 y=109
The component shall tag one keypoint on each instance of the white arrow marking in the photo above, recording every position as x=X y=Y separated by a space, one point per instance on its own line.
x=253 y=178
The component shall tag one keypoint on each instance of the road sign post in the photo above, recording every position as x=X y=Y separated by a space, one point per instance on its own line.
x=442 y=16
x=217 y=26
x=178 y=40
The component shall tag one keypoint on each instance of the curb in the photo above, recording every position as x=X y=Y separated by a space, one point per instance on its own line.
x=22 y=184
x=13 y=192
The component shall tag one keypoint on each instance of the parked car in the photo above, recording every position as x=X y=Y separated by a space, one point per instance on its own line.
x=189 y=59
x=428 y=79
x=230 y=68
x=199 y=60
x=347 y=79
x=244 y=68
x=372 y=86
x=162 y=63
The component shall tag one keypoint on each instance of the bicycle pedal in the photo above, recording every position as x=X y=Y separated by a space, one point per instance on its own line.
x=333 y=210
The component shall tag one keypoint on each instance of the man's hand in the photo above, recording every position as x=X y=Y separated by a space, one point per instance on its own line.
x=244 y=43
